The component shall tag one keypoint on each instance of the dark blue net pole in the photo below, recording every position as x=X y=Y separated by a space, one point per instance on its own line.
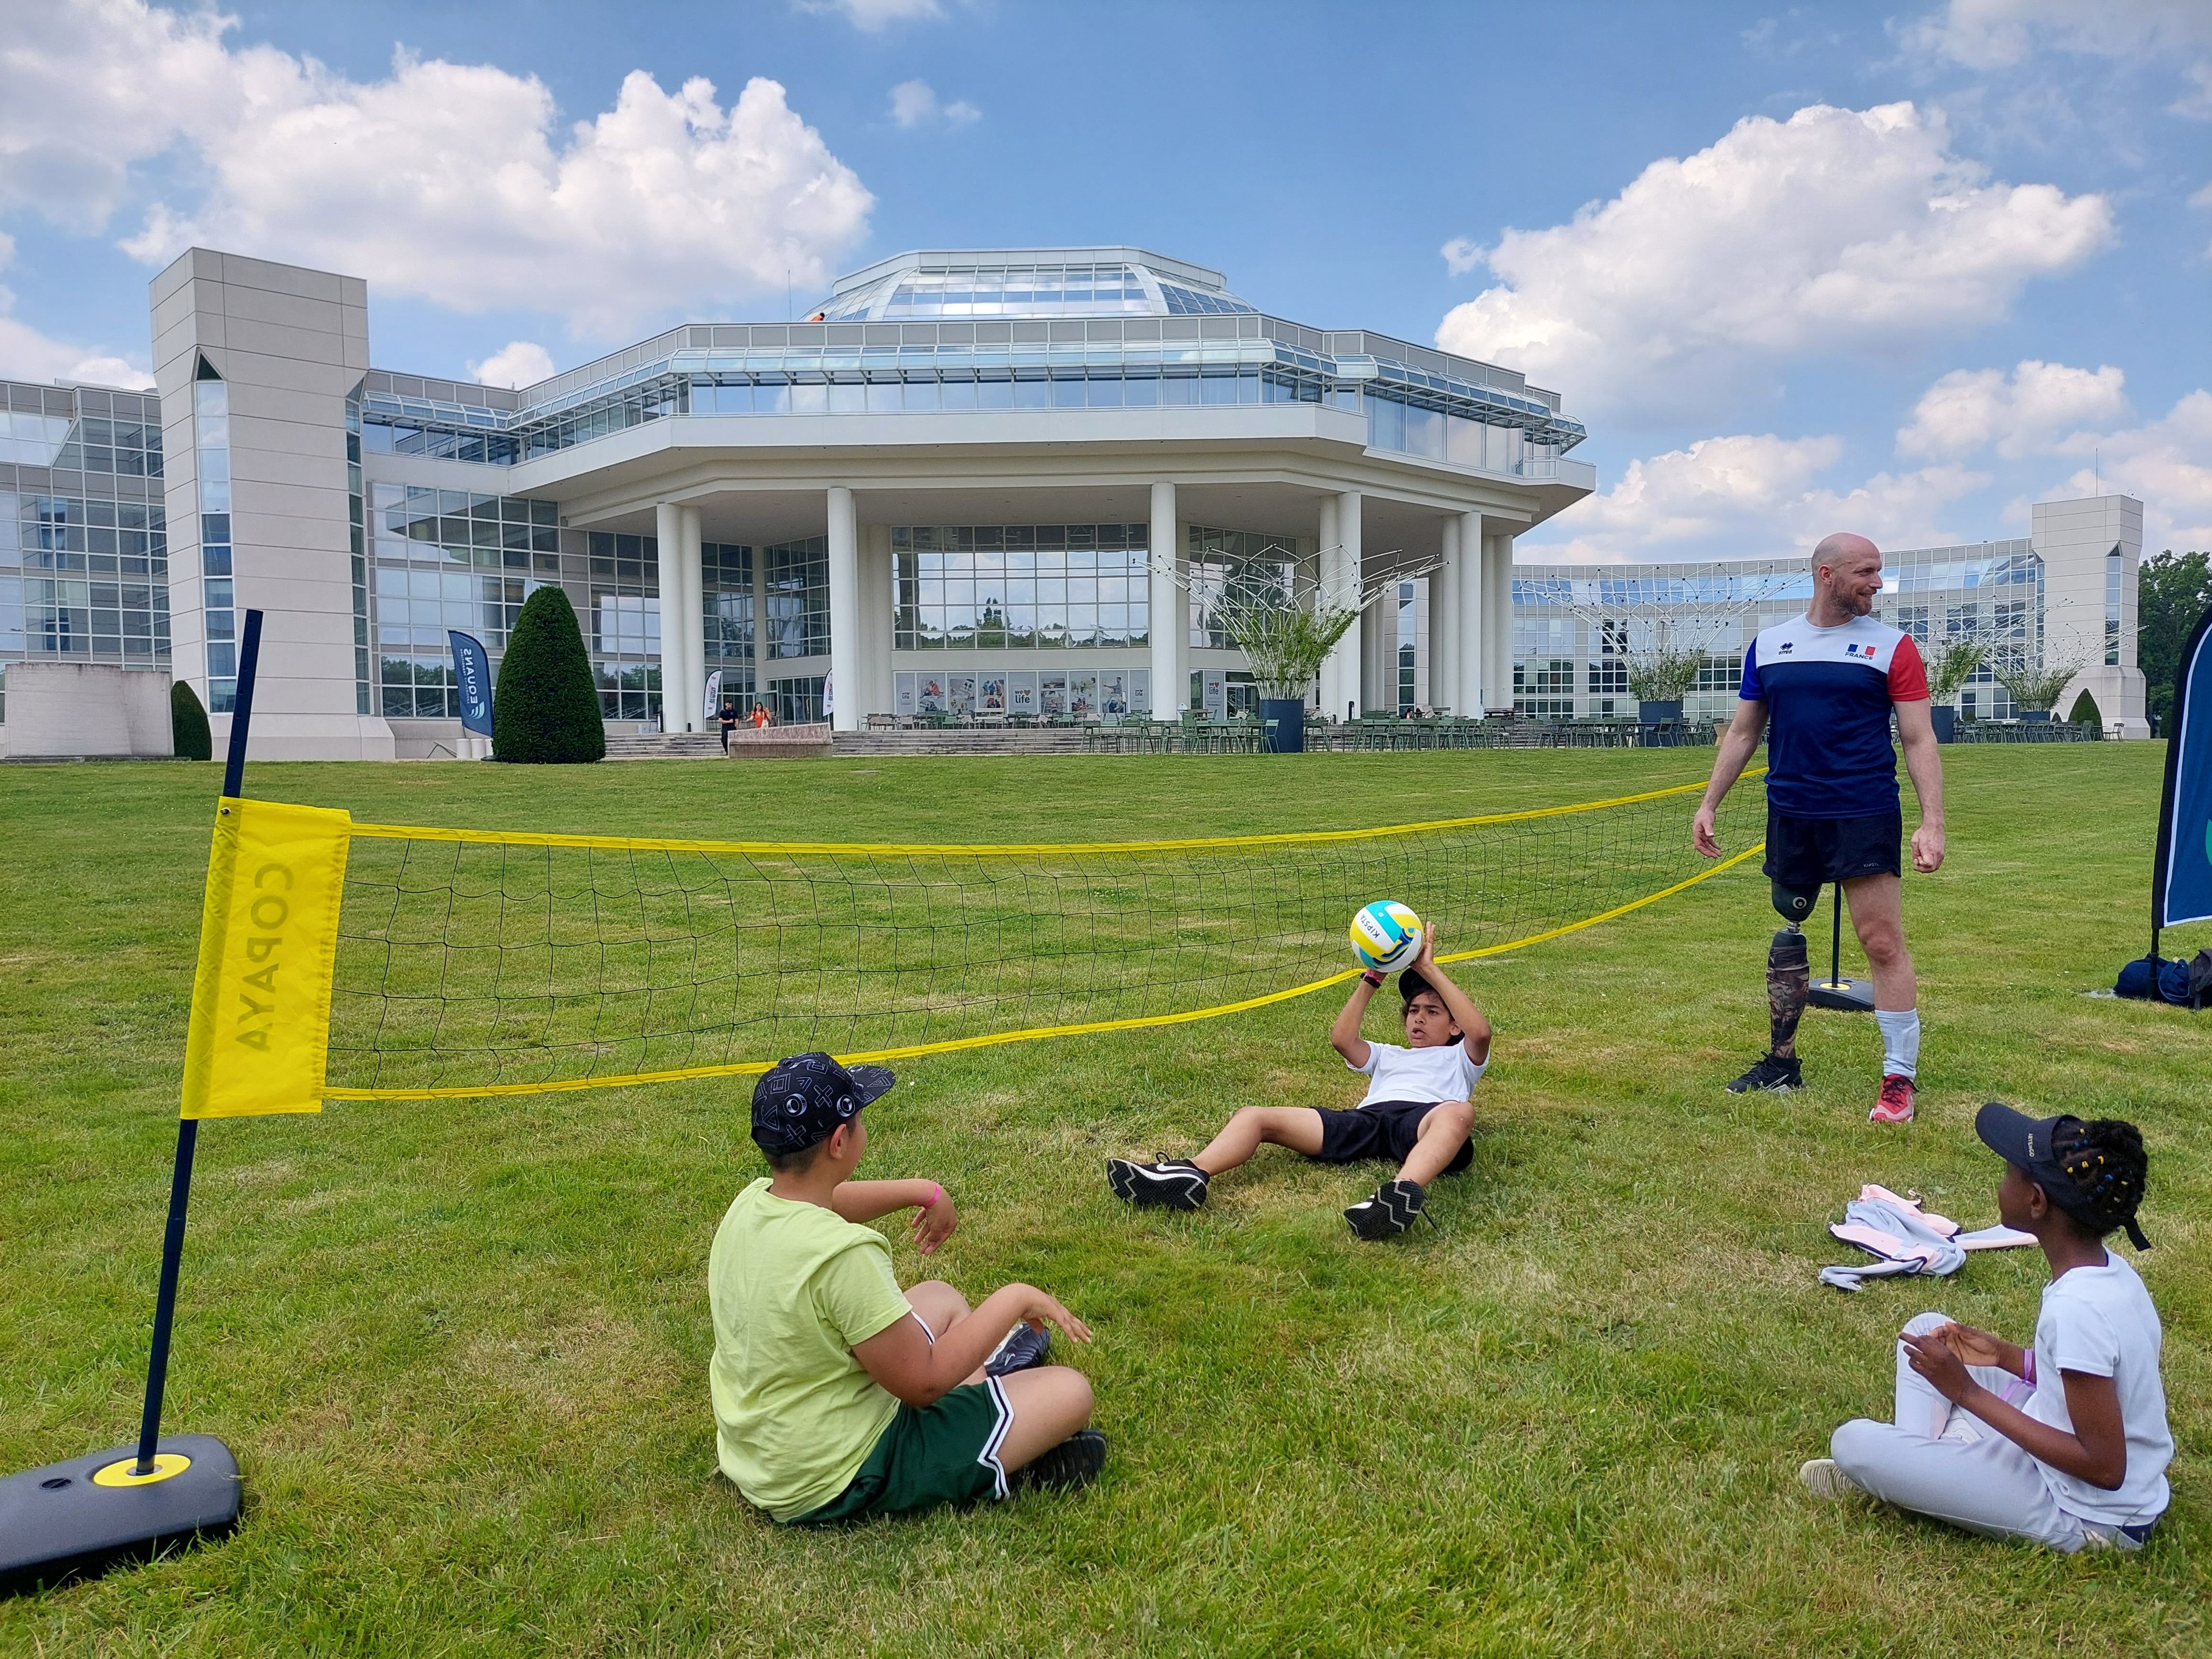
x=188 y=1128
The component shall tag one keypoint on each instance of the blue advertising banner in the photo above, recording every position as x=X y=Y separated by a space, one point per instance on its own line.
x=2181 y=879
x=472 y=673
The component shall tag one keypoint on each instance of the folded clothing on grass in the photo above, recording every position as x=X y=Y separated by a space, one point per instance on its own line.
x=1905 y=1240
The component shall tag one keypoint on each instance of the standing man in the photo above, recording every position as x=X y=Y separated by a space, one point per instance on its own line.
x=1832 y=679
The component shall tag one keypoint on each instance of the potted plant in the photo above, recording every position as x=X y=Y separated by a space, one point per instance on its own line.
x=1948 y=670
x=1285 y=644
x=2034 y=687
x=1659 y=679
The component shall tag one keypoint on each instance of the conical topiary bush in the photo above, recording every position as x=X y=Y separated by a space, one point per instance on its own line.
x=189 y=737
x=545 y=709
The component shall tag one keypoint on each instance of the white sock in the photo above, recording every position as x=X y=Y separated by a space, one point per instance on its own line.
x=1900 y=1041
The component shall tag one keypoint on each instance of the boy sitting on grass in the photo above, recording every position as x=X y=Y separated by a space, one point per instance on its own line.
x=835 y=1396
x=2064 y=1443
x=1416 y=1113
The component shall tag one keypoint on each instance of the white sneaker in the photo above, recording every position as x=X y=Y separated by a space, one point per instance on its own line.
x=1824 y=1481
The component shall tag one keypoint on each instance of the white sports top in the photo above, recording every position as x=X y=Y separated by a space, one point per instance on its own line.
x=1419 y=1074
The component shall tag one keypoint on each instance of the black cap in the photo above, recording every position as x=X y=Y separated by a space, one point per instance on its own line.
x=2032 y=1144
x=806 y=1096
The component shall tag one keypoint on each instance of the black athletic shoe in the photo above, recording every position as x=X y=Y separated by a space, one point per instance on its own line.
x=1172 y=1186
x=1075 y=1461
x=1390 y=1212
x=1777 y=1075
x=1026 y=1346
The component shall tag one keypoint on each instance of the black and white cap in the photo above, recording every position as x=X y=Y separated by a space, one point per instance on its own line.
x=806 y=1096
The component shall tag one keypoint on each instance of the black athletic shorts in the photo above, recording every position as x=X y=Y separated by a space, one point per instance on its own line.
x=1386 y=1130
x=1806 y=853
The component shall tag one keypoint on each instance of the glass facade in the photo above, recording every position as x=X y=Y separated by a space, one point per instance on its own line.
x=1020 y=586
x=727 y=574
x=1221 y=561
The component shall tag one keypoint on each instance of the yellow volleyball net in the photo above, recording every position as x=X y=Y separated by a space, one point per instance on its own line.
x=345 y=961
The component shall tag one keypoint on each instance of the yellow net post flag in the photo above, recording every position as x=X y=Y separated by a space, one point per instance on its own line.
x=260 y=1032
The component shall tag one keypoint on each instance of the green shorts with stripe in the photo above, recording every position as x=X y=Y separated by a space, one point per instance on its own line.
x=947 y=1453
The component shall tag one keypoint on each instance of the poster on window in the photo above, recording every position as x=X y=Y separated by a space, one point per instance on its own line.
x=991 y=694
x=1021 y=692
x=1140 y=690
x=1083 y=694
x=902 y=694
x=931 y=695
x=1216 y=695
x=1052 y=693
x=1114 y=691
x=960 y=693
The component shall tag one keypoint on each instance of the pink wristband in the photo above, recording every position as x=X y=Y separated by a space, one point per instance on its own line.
x=936 y=1192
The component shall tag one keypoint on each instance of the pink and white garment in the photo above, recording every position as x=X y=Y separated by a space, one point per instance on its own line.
x=1906 y=1239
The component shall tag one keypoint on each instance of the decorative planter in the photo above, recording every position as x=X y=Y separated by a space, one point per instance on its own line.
x=1666 y=718
x=1945 y=719
x=1282 y=725
x=2035 y=717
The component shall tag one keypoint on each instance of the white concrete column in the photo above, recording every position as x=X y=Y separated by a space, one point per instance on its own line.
x=1443 y=625
x=1328 y=564
x=844 y=610
x=878 y=630
x=692 y=630
x=1470 y=687
x=1347 y=657
x=1498 y=572
x=1169 y=612
x=1377 y=634
x=668 y=536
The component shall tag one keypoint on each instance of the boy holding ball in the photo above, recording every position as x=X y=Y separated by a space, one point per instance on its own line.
x=1416 y=1113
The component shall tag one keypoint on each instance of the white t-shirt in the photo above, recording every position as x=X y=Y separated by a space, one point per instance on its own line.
x=2099 y=1321
x=1445 y=1072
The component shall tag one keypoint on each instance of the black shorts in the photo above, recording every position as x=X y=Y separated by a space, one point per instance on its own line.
x=1386 y=1130
x=1807 y=853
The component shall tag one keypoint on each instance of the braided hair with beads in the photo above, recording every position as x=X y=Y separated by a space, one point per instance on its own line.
x=2105 y=1164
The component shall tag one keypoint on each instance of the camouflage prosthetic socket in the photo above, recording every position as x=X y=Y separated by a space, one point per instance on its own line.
x=1788 y=982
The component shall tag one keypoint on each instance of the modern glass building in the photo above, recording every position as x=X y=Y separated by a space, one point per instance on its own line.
x=995 y=480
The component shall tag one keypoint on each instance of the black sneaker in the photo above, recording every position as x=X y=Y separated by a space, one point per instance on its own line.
x=1075 y=1461
x=1777 y=1075
x=1172 y=1186
x=1390 y=1212
x=1026 y=1346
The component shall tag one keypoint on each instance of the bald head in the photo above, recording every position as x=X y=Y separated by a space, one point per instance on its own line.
x=1843 y=547
x=1846 y=578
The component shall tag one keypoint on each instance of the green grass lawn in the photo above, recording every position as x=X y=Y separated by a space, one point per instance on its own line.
x=460 y=1347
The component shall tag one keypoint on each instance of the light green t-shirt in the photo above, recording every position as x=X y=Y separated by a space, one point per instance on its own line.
x=794 y=1288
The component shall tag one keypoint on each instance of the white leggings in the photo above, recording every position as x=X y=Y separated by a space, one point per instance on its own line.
x=1939 y=1460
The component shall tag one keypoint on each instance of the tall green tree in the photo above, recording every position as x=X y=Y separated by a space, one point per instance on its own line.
x=2173 y=590
x=545 y=709
x=189 y=737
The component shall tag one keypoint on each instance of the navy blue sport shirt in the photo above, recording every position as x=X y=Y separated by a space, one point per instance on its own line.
x=1829 y=693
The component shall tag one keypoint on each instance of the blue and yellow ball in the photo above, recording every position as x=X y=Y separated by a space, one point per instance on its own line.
x=1386 y=936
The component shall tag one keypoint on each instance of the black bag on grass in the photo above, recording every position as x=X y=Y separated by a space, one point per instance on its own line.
x=2186 y=983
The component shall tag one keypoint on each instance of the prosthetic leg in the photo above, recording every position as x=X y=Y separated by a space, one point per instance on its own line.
x=1789 y=984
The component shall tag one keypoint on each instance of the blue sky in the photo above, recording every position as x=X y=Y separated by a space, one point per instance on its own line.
x=1798 y=270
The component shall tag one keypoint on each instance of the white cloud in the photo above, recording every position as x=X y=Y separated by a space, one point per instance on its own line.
x=1987 y=34
x=1739 y=496
x=1835 y=230
x=871 y=15
x=1461 y=255
x=518 y=363
x=1970 y=410
x=27 y=354
x=455 y=183
x=88 y=88
x=913 y=104
x=2167 y=463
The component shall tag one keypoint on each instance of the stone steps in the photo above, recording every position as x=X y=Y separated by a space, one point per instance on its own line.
x=960 y=741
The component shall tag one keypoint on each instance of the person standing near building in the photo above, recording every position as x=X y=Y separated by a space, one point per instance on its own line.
x=726 y=717
x=1829 y=681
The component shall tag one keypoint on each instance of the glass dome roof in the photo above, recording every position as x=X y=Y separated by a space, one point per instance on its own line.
x=1029 y=282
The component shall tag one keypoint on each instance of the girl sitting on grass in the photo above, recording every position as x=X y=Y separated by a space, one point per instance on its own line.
x=2064 y=1443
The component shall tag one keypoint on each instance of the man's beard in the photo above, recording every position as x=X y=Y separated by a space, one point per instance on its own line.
x=1860 y=605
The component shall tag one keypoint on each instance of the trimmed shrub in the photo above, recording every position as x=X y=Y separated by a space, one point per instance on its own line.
x=545 y=709
x=188 y=724
x=2086 y=712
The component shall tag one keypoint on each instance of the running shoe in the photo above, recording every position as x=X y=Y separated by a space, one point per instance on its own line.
x=1075 y=1461
x=1824 y=1479
x=1390 y=1212
x=1777 y=1075
x=1170 y=1185
x=1026 y=1346
x=1895 y=1105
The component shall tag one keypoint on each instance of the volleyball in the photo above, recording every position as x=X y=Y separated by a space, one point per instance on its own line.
x=1386 y=936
